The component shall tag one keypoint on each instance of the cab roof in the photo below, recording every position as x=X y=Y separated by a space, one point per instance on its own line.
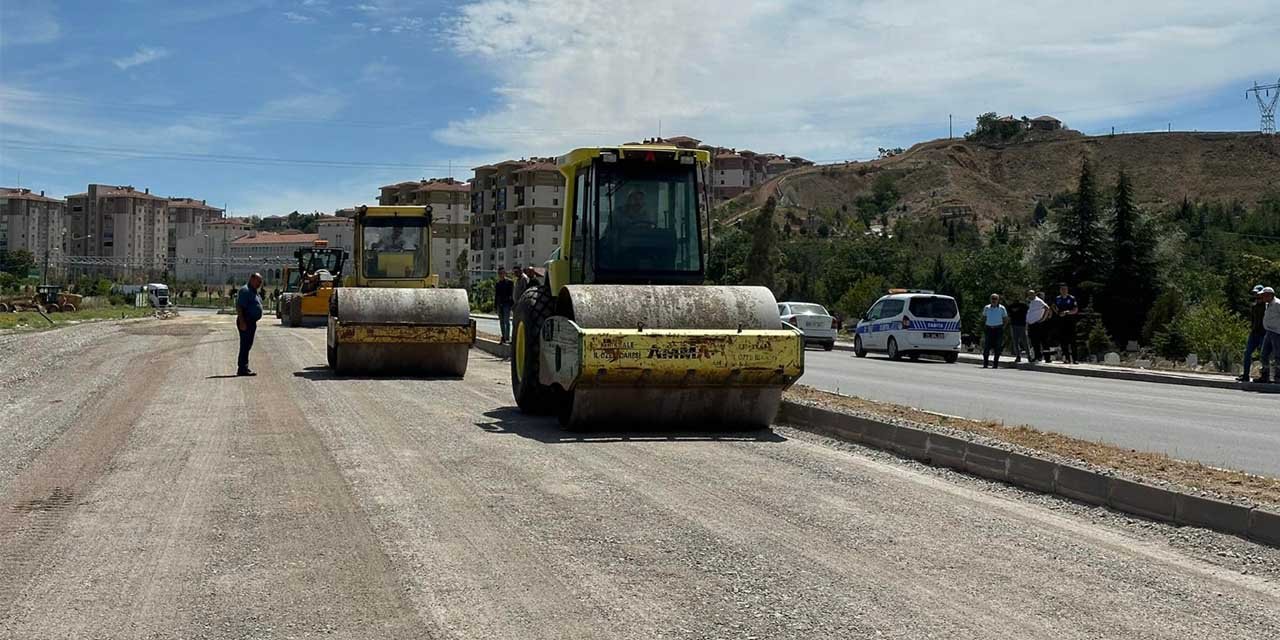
x=568 y=162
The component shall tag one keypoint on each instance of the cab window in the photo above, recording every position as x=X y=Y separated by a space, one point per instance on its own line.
x=892 y=308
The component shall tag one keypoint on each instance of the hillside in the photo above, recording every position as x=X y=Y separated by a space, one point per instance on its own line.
x=991 y=181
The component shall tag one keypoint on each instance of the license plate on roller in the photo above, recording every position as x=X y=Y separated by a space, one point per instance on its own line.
x=933 y=336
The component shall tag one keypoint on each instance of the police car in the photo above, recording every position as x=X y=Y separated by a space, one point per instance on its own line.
x=910 y=322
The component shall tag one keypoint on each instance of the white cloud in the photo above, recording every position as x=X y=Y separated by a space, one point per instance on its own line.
x=28 y=22
x=834 y=79
x=380 y=72
x=303 y=106
x=297 y=18
x=142 y=56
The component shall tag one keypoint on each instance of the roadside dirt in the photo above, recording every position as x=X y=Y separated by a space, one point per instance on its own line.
x=297 y=504
x=1232 y=485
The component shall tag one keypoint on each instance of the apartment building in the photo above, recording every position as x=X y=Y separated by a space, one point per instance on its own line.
x=516 y=206
x=121 y=231
x=187 y=217
x=451 y=211
x=204 y=257
x=733 y=172
x=32 y=222
x=337 y=232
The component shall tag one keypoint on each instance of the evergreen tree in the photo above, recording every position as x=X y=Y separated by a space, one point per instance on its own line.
x=1040 y=214
x=762 y=260
x=1081 y=245
x=1130 y=289
x=940 y=276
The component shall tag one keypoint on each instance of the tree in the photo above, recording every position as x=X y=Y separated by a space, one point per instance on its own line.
x=18 y=262
x=762 y=260
x=460 y=265
x=1131 y=284
x=1040 y=214
x=1081 y=246
x=991 y=128
x=940 y=276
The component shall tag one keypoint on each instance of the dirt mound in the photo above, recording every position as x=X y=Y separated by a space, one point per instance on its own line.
x=990 y=181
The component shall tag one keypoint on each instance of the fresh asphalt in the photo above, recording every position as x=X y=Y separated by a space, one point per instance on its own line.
x=1219 y=427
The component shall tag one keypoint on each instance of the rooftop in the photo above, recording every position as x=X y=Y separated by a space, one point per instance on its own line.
x=126 y=191
x=18 y=193
x=191 y=203
x=267 y=237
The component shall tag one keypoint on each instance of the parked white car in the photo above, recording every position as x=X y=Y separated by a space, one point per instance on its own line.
x=813 y=320
x=911 y=323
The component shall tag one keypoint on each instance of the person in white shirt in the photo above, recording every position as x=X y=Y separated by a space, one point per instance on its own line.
x=1038 y=315
x=1271 y=322
x=994 y=317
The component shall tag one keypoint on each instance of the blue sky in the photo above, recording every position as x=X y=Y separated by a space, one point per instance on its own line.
x=274 y=105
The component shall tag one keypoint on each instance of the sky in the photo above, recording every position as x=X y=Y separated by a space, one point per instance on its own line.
x=271 y=106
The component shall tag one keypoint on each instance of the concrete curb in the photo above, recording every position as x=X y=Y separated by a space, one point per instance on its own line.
x=1135 y=375
x=492 y=347
x=1040 y=474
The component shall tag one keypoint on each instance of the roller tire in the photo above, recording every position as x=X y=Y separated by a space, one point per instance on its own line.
x=295 y=311
x=533 y=307
x=330 y=348
x=68 y=307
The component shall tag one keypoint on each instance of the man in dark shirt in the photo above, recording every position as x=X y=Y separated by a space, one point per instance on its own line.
x=1067 y=309
x=248 y=313
x=1018 y=325
x=504 y=299
x=1257 y=335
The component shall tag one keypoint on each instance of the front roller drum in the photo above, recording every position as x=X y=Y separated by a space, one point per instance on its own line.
x=703 y=407
x=420 y=332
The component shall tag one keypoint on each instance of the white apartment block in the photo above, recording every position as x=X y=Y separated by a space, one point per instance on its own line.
x=203 y=257
x=33 y=222
x=267 y=253
x=338 y=232
x=517 y=206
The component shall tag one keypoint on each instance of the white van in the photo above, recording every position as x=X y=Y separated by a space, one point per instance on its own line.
x=910 y=322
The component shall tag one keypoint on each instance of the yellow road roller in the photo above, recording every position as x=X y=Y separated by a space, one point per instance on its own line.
x=625 y=332
x=309 y=286
x=390 y=316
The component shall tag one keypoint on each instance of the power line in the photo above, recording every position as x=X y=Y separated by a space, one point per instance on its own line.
x=212 y=158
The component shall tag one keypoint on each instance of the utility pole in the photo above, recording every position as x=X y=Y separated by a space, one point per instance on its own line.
x=950 y=133
x=1266 y=107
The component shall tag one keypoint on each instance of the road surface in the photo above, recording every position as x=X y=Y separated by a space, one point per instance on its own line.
x=146 y=493
x=1219 y=427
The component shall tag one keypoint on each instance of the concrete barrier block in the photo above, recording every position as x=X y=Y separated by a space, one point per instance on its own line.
x=910 y=442
x=1264 y=526
x=1142 y=499
x=946 y=451
x=879 y=434
x=988 y=462
x=1081 y=484
x=1213 y=514
x=1032 y=473
x=832 y=424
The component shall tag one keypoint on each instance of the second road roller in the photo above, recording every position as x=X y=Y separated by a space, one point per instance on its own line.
x=390 y=317
x=625 y=331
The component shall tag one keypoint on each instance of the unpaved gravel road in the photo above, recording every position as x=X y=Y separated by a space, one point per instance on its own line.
x=145 y=494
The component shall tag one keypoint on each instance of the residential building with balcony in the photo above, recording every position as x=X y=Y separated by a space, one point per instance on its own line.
x=124 y=232
x=516 y=207
x=187 y=217
x=204 y=257
x=33 y=222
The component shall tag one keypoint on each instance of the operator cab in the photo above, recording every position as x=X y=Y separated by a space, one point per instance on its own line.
x=637 y=216
x=395 y=247
x=316 y=265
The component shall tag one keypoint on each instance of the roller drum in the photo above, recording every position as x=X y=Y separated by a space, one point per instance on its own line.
x=670 y=307
x=385 y=311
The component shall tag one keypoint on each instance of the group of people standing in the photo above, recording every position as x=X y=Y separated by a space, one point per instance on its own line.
x=506 y=292
x=1032 y=324
x=1264 y=334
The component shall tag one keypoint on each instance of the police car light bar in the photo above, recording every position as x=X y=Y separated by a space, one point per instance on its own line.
x=892 y=291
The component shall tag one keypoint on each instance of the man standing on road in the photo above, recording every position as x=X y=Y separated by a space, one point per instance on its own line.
x=503 y=299
x=994 y=317
x=1038 y=314
x=1270 y=322
x=1018 y=324
x=248 y=313
x=1067 y=309
x=1257 y=338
